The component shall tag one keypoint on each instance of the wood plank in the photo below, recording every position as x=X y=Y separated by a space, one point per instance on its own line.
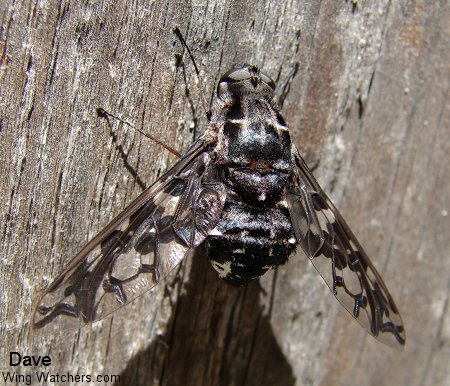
x=364 y=87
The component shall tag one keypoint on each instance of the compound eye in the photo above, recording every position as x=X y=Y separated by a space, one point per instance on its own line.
x=244 y=73
x=268 y=80
x=238 y=74
x=235 y=75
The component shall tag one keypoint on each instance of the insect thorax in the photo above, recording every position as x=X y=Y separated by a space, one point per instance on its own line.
x=253 y=155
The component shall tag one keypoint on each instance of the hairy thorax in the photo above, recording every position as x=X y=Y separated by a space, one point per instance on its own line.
x=254 y=151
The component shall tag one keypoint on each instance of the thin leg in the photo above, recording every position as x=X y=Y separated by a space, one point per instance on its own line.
x=177 y=32
x=103 y=113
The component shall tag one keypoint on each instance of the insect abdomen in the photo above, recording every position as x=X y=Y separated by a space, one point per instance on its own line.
x=249 y=240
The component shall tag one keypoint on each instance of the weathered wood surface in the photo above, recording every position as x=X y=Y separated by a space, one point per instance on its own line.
x=365 y=91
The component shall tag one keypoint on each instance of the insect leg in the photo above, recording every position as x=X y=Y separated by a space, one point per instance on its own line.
x=104 y=114
x=177 y=32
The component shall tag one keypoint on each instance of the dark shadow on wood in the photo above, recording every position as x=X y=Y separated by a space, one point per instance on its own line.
x=123 y=154
x=218 y=335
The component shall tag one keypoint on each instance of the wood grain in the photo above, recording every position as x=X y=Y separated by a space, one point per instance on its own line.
x=364 y=86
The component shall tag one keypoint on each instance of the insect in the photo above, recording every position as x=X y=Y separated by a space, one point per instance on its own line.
x=243 y=192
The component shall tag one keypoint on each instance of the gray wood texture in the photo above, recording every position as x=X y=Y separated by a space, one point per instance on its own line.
x=364 y=86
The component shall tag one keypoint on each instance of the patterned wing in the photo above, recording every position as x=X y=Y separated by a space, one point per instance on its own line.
x=341 y=261
x=140 y=246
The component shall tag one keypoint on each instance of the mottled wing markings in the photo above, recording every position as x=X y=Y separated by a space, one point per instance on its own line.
x=140 y=246
x=339 y=258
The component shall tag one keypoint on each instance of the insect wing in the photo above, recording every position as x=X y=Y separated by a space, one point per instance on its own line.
x=141 y=245
x=337 y=255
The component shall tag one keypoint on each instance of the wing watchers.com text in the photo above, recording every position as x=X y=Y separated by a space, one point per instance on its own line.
x=59 y=378
x=25 y=370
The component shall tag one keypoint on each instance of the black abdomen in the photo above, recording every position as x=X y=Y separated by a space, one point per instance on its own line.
x=248 y=241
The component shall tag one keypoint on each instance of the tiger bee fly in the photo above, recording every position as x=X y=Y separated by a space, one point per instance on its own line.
x=243 y=191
